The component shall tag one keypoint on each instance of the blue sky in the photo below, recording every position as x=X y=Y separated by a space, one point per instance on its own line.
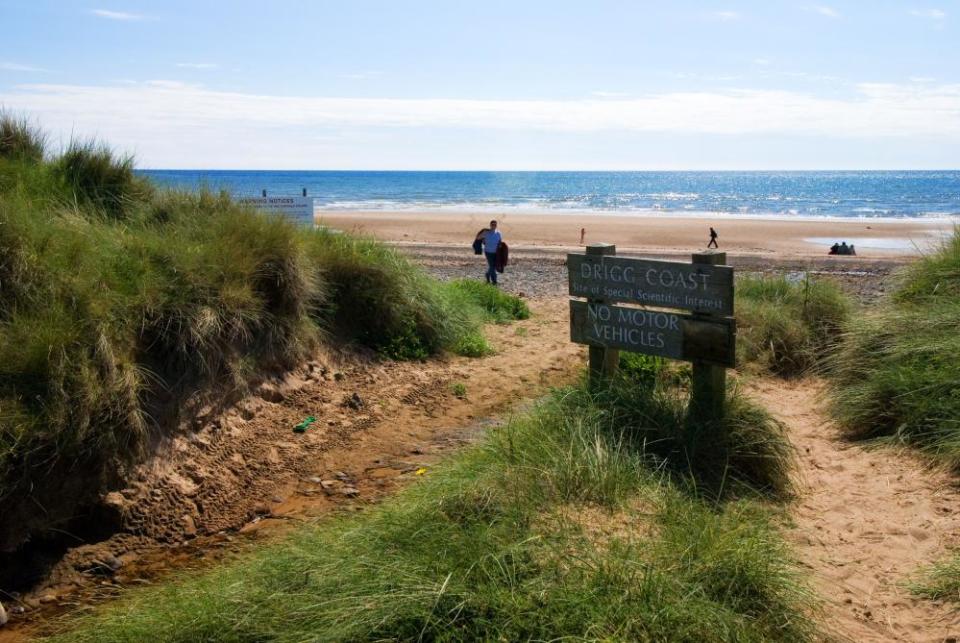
x=493 y=85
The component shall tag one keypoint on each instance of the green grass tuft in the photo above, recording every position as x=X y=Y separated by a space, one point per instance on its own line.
x=473 y=345
x=786 y=327
x=747 y=452
x=940 y=582
x=96 y=177
x=19 y=141
x=497 y=305
x=640 y=370
x=557 y=526
x=896 y=375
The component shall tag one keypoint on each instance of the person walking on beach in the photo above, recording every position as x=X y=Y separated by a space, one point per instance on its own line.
x=713 y=239
x=491 y=242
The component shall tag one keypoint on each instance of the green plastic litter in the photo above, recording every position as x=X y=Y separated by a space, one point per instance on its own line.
x=303 y=426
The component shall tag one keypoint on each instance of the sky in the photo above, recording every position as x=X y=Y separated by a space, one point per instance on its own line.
x=492 y=85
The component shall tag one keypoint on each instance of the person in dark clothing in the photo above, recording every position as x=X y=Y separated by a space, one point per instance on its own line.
x=713 y=239
x=835 y=249
x=491 y=242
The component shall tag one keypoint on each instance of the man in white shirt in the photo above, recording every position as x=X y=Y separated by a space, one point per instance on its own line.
x=491 y=241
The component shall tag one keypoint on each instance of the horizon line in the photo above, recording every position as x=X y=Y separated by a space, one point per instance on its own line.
x=554 y=171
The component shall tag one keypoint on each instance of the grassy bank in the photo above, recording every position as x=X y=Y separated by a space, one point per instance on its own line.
x=585 y=518
x=123 y=307
x=786 y=327
x=896 y=376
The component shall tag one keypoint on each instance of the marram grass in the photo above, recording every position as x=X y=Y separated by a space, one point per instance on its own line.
x=122 y=305
x=786 y=327
x=560 y=525
x=896 y=375
x=940 y=581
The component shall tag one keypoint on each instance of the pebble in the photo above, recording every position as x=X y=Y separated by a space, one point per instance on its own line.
x=350 y=491
x=189 y=525
x=355 y=402
x=48 y=598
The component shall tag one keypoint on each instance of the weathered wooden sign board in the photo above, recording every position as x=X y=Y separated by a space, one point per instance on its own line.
x=665 y=334
x=705 y=336
x=702 y=288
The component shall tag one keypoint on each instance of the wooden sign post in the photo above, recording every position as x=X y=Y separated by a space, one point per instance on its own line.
x=602 y=360
x=706 y=335
x=708 y=385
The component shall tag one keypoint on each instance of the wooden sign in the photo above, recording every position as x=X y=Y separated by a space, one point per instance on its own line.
x=707 y=337
x=654 y=332
x=700 y=288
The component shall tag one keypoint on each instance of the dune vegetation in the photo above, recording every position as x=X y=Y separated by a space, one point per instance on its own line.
x=940 y=581
x=786 y=327
x=896 y=376
x=124 y=307
x=591 y=516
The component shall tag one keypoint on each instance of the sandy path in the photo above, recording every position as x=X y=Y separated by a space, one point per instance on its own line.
x=865 y=521
x=243 y=475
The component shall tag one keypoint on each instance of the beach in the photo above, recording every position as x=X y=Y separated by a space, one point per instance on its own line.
x=662 y=235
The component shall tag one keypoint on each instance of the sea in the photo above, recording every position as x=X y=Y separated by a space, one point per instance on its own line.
x=846 y=194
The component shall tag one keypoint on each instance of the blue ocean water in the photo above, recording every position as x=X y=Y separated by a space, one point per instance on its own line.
x=789 y=194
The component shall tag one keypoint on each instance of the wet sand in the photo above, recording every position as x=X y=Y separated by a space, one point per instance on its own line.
x=660 y=234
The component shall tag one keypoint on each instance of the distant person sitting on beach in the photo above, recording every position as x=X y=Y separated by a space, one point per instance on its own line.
x=491 y=242
x=835 y=248
x=844 y=249
x=851 y=250
x=713 y=239
x=583 y=234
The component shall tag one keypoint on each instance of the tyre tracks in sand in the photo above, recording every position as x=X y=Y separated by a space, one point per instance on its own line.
x=240 y=474
x=866 y=520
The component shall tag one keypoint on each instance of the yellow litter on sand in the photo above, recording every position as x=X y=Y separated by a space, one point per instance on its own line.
x=420 y=471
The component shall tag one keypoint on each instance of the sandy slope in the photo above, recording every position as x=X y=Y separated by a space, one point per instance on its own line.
x=865 y=521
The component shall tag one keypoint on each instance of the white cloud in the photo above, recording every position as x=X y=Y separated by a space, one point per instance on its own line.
x=922 y=79
x=604 y=94
x=825 y=11
x=199 y=65
x=118 y=15
x=155 y=118
x=8 y=66
x=763 y=62
x=725 y=16
x=935 y=14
